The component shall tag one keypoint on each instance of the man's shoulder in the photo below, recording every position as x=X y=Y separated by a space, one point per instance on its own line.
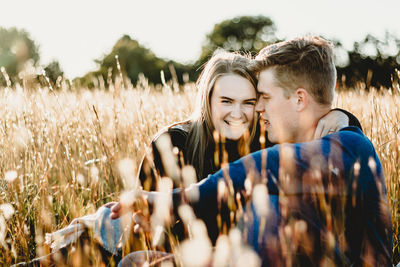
x=352 y=142
x=351 y=130
x=351 y=136
x=349 y=141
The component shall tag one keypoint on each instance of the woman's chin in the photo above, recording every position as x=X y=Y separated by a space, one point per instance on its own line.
x=234 y=136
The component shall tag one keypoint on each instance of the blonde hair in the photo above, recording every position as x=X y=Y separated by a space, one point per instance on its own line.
x=305 y=62
x=201 y=132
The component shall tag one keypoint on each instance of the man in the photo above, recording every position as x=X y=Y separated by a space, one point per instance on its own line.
x=327 y=198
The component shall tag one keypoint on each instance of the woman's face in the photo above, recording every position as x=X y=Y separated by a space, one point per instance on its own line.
x=233 y=105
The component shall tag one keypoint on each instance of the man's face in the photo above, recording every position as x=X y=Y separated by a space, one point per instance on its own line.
x=276 y=109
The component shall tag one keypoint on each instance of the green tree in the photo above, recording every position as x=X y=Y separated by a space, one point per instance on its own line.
x=245 y=33
x=373 y=62
x=16 y=48
x=135 y=59
x=53 y=71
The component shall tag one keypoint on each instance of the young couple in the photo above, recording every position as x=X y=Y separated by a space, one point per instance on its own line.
x=332 y=187
x=225 y=126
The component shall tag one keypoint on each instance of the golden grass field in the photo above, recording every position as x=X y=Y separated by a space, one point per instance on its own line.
x=60 y=151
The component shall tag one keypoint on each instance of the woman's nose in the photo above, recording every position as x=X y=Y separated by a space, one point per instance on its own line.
x=236 y=112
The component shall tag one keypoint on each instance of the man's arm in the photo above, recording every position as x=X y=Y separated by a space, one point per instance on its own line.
x=314 y=178
x=308 y=178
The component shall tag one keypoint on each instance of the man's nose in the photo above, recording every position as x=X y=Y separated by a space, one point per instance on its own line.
x=260 y=106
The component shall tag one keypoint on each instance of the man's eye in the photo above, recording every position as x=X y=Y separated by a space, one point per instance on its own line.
x=250 y=103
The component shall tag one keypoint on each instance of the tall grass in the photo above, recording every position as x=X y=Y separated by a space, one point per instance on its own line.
x=60 y=149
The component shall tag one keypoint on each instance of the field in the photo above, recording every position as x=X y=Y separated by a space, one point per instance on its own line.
x=60 y=152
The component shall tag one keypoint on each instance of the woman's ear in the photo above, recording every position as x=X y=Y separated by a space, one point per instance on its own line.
x=301 y=97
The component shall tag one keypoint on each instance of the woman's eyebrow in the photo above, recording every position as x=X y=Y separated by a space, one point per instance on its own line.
x=225 y=97
x=231 y=99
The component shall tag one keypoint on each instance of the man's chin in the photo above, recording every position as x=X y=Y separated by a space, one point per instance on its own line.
x=273 y=140
x=271 y=136
x=276 y=139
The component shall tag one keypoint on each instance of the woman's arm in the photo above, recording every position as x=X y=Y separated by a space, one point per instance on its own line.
x=335 y=120
x=154 y=165
x=353 y=121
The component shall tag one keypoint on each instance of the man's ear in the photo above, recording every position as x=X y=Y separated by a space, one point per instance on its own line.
x=302 y=98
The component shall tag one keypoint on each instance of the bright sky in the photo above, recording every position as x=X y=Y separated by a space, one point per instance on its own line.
x=76 y=32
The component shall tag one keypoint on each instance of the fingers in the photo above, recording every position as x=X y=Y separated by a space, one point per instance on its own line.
x=115 y=211
x=141 y=223
x=331 y=123
x=110 y=204
x=329 y=131
x=116 y=207
x=126 y=203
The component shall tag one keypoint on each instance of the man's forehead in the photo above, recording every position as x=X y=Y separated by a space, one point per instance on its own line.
x=266 y=80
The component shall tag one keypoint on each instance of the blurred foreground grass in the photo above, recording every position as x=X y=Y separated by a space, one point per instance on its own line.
x=60 y=151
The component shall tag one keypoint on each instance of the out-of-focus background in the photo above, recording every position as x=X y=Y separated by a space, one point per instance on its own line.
x=85 y=85
x=78 y=40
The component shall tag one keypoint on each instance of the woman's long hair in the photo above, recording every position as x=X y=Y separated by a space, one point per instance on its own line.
x=202 y=128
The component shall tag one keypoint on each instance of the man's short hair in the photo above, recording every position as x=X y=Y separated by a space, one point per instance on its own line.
x=305 y=62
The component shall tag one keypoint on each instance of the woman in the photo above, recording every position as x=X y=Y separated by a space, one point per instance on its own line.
x=225 y=112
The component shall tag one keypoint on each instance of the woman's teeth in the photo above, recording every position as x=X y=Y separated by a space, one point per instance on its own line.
x=234 y=123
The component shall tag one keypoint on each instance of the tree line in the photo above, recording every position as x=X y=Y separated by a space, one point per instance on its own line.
x=371 y=62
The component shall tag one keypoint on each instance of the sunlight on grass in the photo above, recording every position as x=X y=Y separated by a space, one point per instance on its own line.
x=66 y=153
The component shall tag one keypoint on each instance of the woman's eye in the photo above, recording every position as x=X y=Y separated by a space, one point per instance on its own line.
x=225 y=101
